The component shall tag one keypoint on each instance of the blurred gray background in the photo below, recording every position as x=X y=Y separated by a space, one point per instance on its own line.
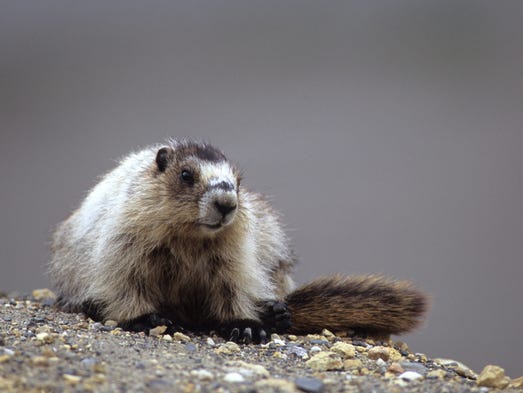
x=389 y=135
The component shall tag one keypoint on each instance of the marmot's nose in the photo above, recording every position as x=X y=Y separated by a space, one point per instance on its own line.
x=225 y=206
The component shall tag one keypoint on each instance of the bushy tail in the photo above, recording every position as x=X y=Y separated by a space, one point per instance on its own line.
x=365 y=304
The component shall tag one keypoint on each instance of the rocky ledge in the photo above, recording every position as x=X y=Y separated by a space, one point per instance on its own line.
x=45 y=350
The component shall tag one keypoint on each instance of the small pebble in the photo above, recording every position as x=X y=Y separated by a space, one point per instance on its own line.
x=517 y=383
x=40 y=361
x=414 y=366
x=46 y=338
x=319 y=342
x=140 y=366
x=422 y=357
x=328 y=334
x=99 y=368
x=42 y=336
x=380 y=363
x=364 y=371
x=228 y=348
x=310 y=385
x=234 y=377
x=352 y=364
x=179 y=336
x=110 y=323
x=310 y=337
x=72 y=379
x=88 y=362
x=275 y=336
x=410 y=376
x=247 y=369
x=436 y=374
x=493 y=377
x=325 y=361
x=385 y=353
x=298 y=351
x=210 y=342
x=275 y=385
x=43 y=294
x=396 y=368
x=157 y=331
x=36 y=321
x=157 y=385
x=315 y=349
x=43 y=329
x=278 y=342
x=402 y=347
x=190 y=347
x=279 y=355
x=202 y=375
x=457 y=367
x=48 y=352
x=344 y=349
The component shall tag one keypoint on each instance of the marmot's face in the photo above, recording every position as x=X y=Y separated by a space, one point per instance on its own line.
x=202 y=186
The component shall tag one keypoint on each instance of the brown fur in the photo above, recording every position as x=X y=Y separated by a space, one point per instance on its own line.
x=376 y=304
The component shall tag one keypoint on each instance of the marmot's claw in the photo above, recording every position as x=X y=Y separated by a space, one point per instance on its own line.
x=247 y=335
x=263 y=336
x=235 y=335
x=245 y=332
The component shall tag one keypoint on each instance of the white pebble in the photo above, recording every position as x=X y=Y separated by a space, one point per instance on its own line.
x=42 y=336
x=410 y=376
x=380 y=362
x=234 y=377
x=210 y=342
x=202 y=374
x=315 y=349
x=279 y=342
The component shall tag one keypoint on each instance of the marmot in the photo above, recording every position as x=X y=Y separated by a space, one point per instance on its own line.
x=170 y=236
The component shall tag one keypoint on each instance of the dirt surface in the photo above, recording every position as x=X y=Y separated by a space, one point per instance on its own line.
x=45 y=350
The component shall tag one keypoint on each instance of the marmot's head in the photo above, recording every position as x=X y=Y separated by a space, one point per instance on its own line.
x=199 y=185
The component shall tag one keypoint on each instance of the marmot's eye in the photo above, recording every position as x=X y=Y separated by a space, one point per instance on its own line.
x=187 y=177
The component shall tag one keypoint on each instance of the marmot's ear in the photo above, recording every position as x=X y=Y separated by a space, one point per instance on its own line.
x=164 y=157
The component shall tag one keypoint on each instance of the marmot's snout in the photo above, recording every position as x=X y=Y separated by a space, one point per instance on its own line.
x=225 y=205
x=218 y=206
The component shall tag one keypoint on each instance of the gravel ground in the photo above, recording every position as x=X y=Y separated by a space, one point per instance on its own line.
x=45 y=350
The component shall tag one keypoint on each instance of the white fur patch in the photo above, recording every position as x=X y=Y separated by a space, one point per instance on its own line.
x=215 y=173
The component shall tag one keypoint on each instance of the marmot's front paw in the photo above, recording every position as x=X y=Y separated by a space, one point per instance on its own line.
x=145 y=323
x=276 y=316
